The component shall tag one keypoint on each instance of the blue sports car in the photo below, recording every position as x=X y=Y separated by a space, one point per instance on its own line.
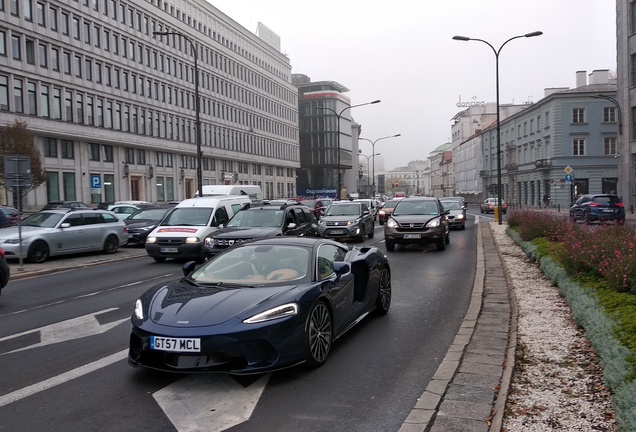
x=259 y=306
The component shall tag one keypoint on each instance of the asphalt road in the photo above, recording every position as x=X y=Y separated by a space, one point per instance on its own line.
x=64 y=338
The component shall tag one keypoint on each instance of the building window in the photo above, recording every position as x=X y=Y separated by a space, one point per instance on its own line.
x=50 y=147
x=40 y=17
x=609 y=146
x=44 y=101
x=94 y=152
x=67 y=149
x=32 y=98
x=160 y=189
x=4 y=93
x=15 y=47
x=42 y=56
x=108 y=153
x=68 y=105
x=578 y=115
x=69 y=186
x=578 y=147
x=609 y=114
x=53 y=18
x=52 y=186
x=89 y=111
x=29 y=49
x=130 y=156
x=18 y=98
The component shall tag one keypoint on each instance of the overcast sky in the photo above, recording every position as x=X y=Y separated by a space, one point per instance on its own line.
x=402 y=52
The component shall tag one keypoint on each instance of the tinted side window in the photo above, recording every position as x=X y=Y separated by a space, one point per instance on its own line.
x=74 y=220
x=220 y=217
x=92 y=219
x=327 y=254
x=108 y=218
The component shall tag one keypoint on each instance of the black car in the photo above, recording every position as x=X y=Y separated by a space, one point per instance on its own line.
x=64 y=204
x=417 y=220
x=143 y=221
x=262 y=221
x=598 y=208
x=347 y=220
x=5 y=271
x=260 y=306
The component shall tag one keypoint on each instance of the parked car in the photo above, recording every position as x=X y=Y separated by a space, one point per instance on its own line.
x=489 y=205
x=63 y=231
x=347 y=220
x=142 y=222
x=262 y=221
x=12 y=214
x=386 y=210
x=5 y=271
x=123 y=211
x=64 y=204
x=417 y=220
x=598 y=208
x=259 y=306
x=456 y=212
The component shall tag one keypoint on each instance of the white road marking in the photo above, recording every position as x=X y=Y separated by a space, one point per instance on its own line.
x=76 y=328
x=210 y=403
x=63 y=378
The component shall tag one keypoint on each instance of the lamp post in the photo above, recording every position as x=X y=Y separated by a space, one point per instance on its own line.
x=373 y=151
x=370 y=156
x=197 y=102
x=338 y=116
x=497 y=51
x=619 y=144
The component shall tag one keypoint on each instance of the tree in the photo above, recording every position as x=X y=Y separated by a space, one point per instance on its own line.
x=16 y=139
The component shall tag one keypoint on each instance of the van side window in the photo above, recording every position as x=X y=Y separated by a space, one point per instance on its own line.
x=220 y=217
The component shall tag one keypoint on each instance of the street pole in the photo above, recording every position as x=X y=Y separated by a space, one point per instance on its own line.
x=374 y=153
x=499 y=185
x=338 y=117
x=197 y=103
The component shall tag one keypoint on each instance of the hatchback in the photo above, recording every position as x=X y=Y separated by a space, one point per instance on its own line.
x=598 y=208
x=63 y=231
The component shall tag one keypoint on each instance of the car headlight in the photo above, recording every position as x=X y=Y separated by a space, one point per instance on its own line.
x=192 y=240
x=354 y=222
x=322 y=222
x=391 y=223
x=14 y=240
x=382 y=212
x=434 y=223
x=139 y=309
x=151 y=239
x=274 y=313
x=208 y=242
x=459 y=216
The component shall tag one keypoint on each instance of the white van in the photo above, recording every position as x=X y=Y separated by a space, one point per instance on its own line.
x=181 y=232
x=253 y=191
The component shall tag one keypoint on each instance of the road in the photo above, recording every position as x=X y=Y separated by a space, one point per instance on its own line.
x=64 y=338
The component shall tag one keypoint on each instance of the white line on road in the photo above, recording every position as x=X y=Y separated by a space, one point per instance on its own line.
x=63 y=378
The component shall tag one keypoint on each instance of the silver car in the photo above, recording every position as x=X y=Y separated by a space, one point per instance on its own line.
x=63 y=231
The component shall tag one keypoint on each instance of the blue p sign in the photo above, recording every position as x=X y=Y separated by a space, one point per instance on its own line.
x=96 y=182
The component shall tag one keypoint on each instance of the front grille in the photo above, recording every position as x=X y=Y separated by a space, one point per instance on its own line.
x=413 y=226
x=229 y=242
x=170 y=241
x=337 y=223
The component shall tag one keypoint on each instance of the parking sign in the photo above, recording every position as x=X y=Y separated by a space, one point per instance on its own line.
x=96 y=182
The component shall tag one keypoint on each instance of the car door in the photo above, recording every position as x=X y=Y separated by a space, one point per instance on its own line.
x=302 y=218
x=94 y=230
x=367 y=218
x=74 y=237
x=340 y=289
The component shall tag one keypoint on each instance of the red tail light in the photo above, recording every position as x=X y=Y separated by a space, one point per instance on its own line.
x=1 y=252
x=619 y=205
x=594 y=205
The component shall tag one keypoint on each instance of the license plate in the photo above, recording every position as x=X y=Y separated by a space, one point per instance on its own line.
x=175 y=344
x=336 y=232
x=169 y=250
x=608 y=210
x=412 y=236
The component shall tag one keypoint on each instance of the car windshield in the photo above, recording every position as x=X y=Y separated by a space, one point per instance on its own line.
x=187 y=216
x=257 y=218
x=606 y=199
x=43 y=220
x=390 y=204
x=451 y=205
x=415 y=208
x=149 y=214
x=343 y=210
x=255 y=264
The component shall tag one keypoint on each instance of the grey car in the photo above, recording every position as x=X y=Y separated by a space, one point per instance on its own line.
x=346 y=220
x=418 y=220
x=63 y=231
x=456 y=213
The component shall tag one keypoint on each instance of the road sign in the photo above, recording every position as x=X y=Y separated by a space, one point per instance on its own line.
x=96 y=182
x=568 y=178
x=568 y=170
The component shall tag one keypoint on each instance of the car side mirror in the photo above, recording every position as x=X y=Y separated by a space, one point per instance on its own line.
x=188 y=268
x=65 y=225
x=340 y=268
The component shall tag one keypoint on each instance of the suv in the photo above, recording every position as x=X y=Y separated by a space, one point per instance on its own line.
x=417 y=220
x=598 y=207
x=262 y=221
x=63 y=231
x=347 y=219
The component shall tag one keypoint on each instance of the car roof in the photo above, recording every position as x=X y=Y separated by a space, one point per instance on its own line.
x=420 y=198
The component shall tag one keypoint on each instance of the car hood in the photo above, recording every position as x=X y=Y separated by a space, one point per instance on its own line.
x=247 y=232
x=404 y=219
x=455 y=212
x=326 y=218
x=13 y=232
x=179 y=304
x=140 y=223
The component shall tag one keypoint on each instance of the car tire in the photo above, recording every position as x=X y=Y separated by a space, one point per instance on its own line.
x=159 y=259
x=383 y=302
x=111 y=244
x=441 y=245
x=372 y=233
x=463 y=227
x=390 y=245
x=447 y=239
x=38 y=252
x=481 y=210
x=318 y=335
x=381 y=222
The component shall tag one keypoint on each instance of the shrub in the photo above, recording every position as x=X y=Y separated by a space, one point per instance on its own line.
x=532 y=224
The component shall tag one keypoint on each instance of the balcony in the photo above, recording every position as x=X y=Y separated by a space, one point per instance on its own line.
x=543 y=163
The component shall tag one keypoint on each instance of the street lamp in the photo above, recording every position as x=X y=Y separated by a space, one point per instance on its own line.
x=338 y=116
x=619 y=144
x=499 y=186
x=197 y=103
x=373 y=155
x=373 y=150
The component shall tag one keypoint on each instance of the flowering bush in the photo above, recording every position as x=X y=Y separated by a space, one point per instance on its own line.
x=605 y=251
